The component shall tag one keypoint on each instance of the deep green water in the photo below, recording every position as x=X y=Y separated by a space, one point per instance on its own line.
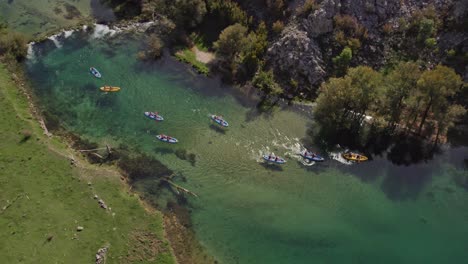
x=248 y=212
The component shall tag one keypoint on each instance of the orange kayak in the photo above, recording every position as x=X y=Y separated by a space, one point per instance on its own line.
x=354 y=157
x=110 y=89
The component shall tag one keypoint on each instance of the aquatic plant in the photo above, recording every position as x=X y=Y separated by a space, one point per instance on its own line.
x=142 y=166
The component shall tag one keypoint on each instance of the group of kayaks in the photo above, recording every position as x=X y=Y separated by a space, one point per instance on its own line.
x=168 y=139
x=106 y=88
x=306 y=154
x=312 y=156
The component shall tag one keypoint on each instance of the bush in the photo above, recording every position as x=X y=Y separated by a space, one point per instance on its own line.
x=387 y=28
x=451 y=53
x=277 y=27
x=426 y=29
x=265 y=81
x=308 y=7
x=430 y=42
x=13 y=44
x=26 y=135
x=153 y=50
x=354 y=44
x=342 y=61
x=340 y=38
x=229 y=10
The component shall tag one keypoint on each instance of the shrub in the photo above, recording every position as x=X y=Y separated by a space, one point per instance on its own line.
x=354 y=44
x=451 y=53
x=277 y=27
x=155 y=47
x=13 y=44
x=308 y=7
x=426 y=29
x=342 y=61
x=350 y=26
x=265 y=81
x=26 y=135
x=229 y=10
x=430 y=42
x=387 y=28
x=340 y=38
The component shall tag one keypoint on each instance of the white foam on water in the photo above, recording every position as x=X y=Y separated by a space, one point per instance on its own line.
x=338 y=157
x=55 y=40
x=68 y=33
x=101 y=31
x=31 y=55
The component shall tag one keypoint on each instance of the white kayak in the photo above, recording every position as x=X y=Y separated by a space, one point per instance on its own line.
x=219 y=120
x=154 y=116
x=274 y=159
x=167 y=139
x=95 y=72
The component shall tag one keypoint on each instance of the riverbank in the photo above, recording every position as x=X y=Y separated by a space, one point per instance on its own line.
x=50 y=207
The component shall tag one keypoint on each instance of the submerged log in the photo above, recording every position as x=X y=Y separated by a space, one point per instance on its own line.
x=179 y=188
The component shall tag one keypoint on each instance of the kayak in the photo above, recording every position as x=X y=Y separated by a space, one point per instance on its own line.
x=167 y=139
x=95 y=72
x=274 y=159
x=154 y=116
x=219 y=120
x=311 y=156
x=354 y=157
x=110 y=89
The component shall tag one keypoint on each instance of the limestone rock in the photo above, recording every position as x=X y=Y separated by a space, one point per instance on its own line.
x=298 y=56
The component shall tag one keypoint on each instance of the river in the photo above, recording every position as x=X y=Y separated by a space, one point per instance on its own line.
x=248 y=211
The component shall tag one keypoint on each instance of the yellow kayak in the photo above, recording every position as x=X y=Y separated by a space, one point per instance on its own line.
x=110 y=89
x=354 y=157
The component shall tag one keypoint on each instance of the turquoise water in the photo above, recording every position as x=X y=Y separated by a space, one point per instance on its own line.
x=41 y=16
x=247 y=211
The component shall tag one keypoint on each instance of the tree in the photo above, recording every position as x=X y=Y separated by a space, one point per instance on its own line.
x=400 y=83
x=253 y=52
x=154 y=48
x=13 y=45
x=345 y=101
x=265 y=81
x=436 y=86
x=342 y=61
x=188 y=13
x=231 y=41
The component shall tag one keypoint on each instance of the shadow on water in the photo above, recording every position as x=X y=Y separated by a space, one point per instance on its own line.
x=90 y=87
x=405 y=183
x=402 y=160
x=106 y=100
x=163 y=150
x=217 y=129
x=271 y=166
x=411 y=150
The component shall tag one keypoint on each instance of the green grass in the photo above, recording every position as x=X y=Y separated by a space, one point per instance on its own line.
x=188 y=56
x=49 y=197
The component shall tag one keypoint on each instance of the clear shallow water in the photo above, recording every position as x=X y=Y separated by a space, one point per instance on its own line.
x=41 y=16
x=249 y=212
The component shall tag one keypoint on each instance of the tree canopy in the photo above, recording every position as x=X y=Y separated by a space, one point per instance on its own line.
x=405 y=97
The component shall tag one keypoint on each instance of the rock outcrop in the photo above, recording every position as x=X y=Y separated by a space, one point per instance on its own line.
x=304 y=50
x=298 y=56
